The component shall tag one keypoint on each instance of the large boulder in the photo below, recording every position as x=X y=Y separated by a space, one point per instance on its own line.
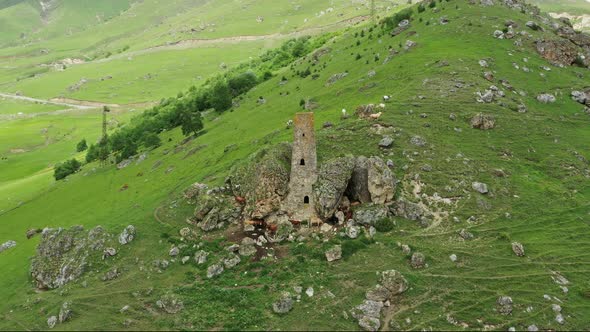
x=127 y=235
x=62 y=256
x=263 y=181
x=381 y=181
x=371 y=181
x=370 y=214
x=333 y=178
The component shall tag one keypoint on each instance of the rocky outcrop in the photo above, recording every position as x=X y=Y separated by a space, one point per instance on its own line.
x=560 y=52
x=332 y=182
x=381 y=181
x=215 y=210
x=263 y=181
x=62 y=256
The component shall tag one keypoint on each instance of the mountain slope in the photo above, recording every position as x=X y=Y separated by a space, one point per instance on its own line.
x=540 y=197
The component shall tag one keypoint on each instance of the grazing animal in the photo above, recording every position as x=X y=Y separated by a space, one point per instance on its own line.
x=382 y=106
x=386 y=98
x=375 y=116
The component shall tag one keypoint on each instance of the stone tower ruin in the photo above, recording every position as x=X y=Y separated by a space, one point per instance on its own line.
x=299 y=202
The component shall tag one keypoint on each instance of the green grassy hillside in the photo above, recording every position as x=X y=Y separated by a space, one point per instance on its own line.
x=540 y=198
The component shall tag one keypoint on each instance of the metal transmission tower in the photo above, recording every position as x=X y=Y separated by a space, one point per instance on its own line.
x=104 y=138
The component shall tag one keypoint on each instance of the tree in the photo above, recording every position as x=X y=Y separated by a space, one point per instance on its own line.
x=92 y=153
x=220 y=97
x=82 y=146
x=242 y=83
x=191 y=122
x=64 y=169
x=151 y=140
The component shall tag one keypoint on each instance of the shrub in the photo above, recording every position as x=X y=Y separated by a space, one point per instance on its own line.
x=64 y=169
x=384 y=225
x=82 y=146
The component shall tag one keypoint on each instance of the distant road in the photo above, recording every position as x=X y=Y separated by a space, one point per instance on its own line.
x=43 y=101
x=194 y=43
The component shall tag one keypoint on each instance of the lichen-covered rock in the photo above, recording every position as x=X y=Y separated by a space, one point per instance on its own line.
x=333 y=178
x=51 y=321
x=111 y=274
x=214 y=270
x=483 y=121
x=381 y=181
x=62 y=256
x=518 y=249
x=263 y=180
x=546 y=98
x=481 y=188
x=247 y=247
x=65 y=312
x=170 y=303
x=231 y=261
x=368 y=308
x=370 y=214
x=369 y=323
x=504 y=304
x=394 y=281
x=127 y=235
x=334 y=253
x=379 y=293
x=284 y=304
x=418 y=260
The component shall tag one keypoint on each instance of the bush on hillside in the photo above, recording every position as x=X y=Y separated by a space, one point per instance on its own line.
x=82 y=146
x=392 y=21
x=64 y=169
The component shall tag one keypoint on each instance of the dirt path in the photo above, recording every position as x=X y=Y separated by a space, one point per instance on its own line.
x=43 y=101
x=194 y=43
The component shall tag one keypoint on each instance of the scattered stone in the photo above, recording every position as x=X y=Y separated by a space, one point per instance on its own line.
x=559 y=319
x=369 y=323
x=124 y=309
x=394 y=281
x=7 y=245
x=334 y=253
x=466 y=235
x=170 y=303
x=532 y=328
x=127 y=235
x=406 y=249
x=386 y=142
x=247 y=247
x=309 y=291
x=504 y=305
x=483 y=63
x=65 y=312
x=231 y=261
x=284 y=304
x=546 y=98
x=109 y=252
x=518 y=249
x=201 y=257
x=453 y=258
x=111 y=274
x=51 y=321
x=418 y=260
x=185 y=259
x=481 y=188
x=352 y=231
x=174 y=251
x=556 y=308
x=418 y=141
x=214 y=270
x=30 y=233
x=483 y=121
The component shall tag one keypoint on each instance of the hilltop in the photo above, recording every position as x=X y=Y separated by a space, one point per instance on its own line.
x=485 y=129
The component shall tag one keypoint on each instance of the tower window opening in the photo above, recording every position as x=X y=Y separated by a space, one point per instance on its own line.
x=306 y=200
x=302 y=162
